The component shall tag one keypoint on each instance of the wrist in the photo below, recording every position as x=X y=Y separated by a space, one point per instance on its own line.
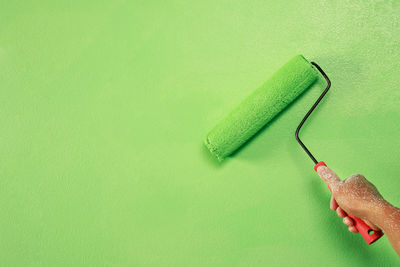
x=384 y=215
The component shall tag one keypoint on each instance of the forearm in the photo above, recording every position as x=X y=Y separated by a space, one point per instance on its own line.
x=388 y=220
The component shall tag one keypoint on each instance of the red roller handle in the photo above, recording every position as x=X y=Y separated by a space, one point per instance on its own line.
x=369 y=235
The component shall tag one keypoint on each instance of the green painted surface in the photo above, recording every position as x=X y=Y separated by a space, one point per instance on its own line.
x=104 y=107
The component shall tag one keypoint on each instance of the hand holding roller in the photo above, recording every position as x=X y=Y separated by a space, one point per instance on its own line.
x=369 y=234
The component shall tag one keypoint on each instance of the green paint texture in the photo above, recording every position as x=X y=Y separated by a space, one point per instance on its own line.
x=261 y=107
x=104 y=106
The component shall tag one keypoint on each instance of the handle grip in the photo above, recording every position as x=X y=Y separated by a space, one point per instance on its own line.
x=369 y=235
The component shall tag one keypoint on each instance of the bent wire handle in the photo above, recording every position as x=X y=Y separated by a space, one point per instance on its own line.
x=311 y=110
x=366 y=232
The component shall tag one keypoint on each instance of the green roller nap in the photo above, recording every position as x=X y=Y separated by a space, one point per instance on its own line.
x=260 y=107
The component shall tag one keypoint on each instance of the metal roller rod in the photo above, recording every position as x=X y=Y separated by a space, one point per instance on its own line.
x=311 y=110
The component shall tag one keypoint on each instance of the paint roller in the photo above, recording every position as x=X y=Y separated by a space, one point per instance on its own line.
x=260 y=107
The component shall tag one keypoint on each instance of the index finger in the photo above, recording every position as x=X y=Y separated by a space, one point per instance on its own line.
x=329 y=176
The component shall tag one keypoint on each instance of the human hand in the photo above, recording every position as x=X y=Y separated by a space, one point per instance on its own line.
x=356 y=196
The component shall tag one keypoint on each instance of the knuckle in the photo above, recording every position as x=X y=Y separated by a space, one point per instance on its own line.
x=354 y=178
x=358 y=176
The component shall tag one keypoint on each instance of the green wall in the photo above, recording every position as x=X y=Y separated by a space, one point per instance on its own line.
x=104 y=106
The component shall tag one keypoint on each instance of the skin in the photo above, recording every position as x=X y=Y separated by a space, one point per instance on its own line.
x=359 y=197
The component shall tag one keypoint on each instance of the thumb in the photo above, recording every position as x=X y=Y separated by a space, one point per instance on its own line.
x=329 y=177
